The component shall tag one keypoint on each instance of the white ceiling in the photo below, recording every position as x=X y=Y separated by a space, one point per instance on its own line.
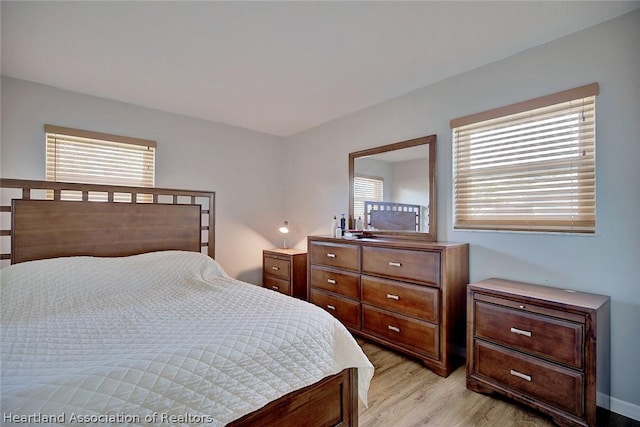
x=274 y=67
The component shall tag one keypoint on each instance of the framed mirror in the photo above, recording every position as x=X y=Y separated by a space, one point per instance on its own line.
x=392 y=189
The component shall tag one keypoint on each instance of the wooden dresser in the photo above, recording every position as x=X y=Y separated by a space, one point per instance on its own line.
x=285 y=271
x=405 y=294
x=542 y=346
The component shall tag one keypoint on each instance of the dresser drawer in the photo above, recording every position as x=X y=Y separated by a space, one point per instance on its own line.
x=335 y=255
x=547 y=337
x=347 y=311
x=412 y=300
x=420 y=266
x=344 y=283
x=553 y=384
x=421 y=337
x=277 y=267
x=273 y=283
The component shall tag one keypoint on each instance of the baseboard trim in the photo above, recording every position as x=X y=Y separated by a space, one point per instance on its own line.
x=618 y=406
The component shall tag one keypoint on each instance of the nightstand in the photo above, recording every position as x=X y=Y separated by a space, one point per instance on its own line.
x=539 y=345
x=285 y=271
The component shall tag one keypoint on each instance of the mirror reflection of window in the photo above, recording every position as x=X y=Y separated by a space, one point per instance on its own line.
x=366 y=189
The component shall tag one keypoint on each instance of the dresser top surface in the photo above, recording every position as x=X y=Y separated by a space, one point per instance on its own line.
x=565 y=297
x=387 y=241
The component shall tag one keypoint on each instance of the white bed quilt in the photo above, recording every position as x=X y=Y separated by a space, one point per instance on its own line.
x=165 y=337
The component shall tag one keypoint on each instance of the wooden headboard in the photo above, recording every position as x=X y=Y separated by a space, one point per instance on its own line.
x=54 y=219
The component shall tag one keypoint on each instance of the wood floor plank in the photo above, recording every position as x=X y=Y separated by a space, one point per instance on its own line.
x=405 y=393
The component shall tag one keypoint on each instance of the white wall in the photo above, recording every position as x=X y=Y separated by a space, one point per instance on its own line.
x=607 y=263
x=241 y=166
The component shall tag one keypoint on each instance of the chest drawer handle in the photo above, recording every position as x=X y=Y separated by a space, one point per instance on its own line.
x=331 y=307
x=275 y=288
x=330 y=255
x=521 y=332
x=520 y=375
x=393 y=328
x=395 y=297
x=395 y=264
x=275 y=268
x=331 y=281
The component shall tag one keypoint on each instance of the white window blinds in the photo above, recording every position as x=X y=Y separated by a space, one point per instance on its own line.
x=75 y=155
x=365 y=188
x=529 y=166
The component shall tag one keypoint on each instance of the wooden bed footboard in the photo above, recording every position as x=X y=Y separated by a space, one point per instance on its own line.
x=332 y=401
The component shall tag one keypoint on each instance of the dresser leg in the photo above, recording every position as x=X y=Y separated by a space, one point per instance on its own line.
x=436 y=369
x=477 y=387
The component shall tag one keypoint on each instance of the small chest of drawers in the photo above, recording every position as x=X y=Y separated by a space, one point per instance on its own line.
x=542 y=346
x=407 y=295
x=285 y=271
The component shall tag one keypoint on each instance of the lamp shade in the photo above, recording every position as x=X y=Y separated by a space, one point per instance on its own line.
x=284 y=228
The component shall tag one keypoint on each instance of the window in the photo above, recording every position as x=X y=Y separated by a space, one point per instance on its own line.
x=365 y=188
x=529 y=166
x=95 y=158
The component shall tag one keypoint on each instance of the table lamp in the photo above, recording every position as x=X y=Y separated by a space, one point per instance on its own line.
x=284 y=229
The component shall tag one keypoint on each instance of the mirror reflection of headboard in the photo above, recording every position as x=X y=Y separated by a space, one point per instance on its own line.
x=392 y=216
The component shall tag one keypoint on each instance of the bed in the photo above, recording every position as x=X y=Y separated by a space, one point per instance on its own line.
x=117 y=313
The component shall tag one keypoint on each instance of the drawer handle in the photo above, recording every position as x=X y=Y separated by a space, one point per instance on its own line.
x=330 y=255
x=395 y=264
x=393 y=328
x=395 y=297
x=331 y=307
x=275 y=288
x=520 y=375
x=275 y=268
x=332 y=281
x=521 y=332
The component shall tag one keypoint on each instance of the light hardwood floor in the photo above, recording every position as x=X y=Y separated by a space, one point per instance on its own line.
x=404 y=393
